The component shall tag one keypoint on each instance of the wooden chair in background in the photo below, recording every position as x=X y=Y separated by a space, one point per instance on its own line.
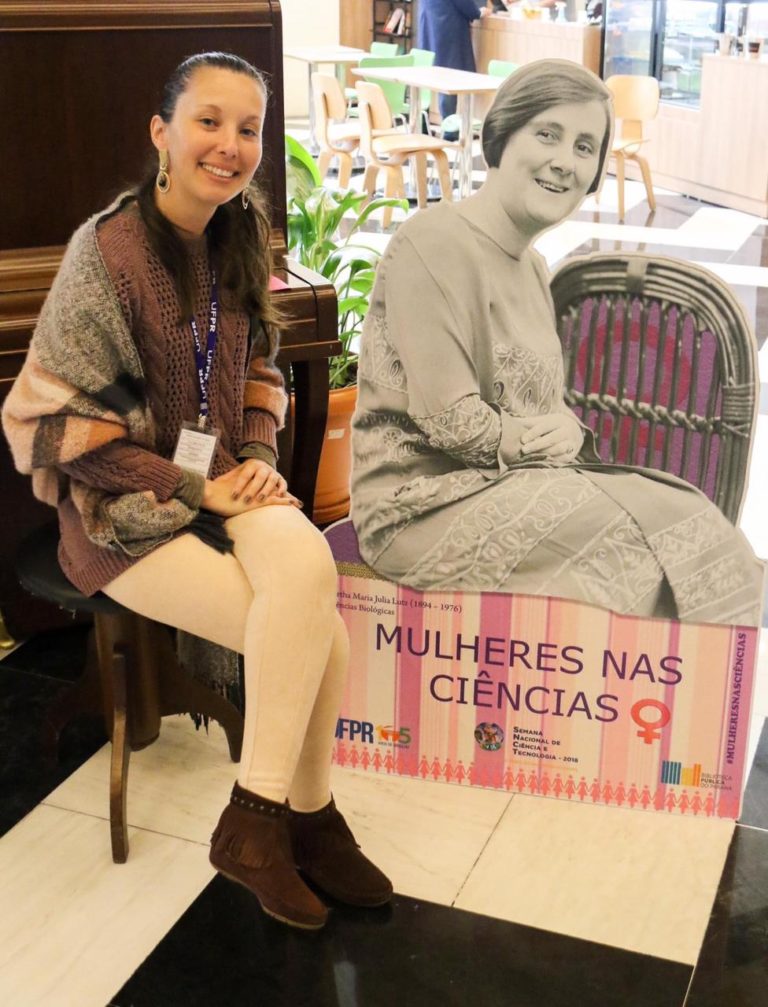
x=388 y=152
x=336 y=135
x=635 y=101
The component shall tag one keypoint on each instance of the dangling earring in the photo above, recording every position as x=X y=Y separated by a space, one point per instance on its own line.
x=163 y=180
x=245 y=198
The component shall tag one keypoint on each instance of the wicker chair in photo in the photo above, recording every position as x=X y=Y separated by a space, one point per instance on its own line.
x=660 y=362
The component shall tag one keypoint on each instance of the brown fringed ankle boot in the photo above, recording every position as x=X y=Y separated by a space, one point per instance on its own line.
x=325 y=851
x=251 y=845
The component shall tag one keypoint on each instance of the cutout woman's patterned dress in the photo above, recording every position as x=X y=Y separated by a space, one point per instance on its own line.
x=458 y=345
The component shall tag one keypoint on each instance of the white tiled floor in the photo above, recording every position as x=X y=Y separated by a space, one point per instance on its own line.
x=637 y=880
x=640 y=881
x=739 y=275
x=173 y=785
x=74 y=925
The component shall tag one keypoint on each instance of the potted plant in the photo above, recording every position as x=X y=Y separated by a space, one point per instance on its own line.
x=316 y=219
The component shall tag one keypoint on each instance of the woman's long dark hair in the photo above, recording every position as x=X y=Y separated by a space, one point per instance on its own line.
x=238 y=239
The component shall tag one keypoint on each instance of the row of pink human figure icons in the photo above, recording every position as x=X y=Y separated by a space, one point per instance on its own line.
x=531 y=782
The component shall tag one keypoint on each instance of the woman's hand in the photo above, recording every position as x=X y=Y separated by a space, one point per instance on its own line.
x=254 y=480
x=556 y=435
x=219 y=494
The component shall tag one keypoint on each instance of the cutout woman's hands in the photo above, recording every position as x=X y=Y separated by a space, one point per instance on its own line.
x=555 y=435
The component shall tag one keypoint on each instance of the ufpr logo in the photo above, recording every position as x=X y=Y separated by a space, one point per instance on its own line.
x=362 y=730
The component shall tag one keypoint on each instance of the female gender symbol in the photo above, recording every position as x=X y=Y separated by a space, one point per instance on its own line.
x=651 y=729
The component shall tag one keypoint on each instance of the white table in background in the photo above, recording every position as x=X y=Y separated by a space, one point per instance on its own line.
x=464 y=84
x=313 y=56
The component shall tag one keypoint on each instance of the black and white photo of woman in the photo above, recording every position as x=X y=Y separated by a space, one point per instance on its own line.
x=469 y=470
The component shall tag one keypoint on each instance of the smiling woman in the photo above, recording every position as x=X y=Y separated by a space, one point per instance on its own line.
x=211 y=143
x=146 y=411
x=470 y=472
x=208 y=137
x=555 y=154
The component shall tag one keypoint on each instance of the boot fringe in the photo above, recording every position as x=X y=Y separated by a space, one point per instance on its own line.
x=233 y=837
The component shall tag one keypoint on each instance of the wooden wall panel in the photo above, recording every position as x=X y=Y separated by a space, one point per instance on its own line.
x=525 y=41
x=673 y=141
x=78 y=85
x=717 y=152
x=355 y=21
x=734 y=125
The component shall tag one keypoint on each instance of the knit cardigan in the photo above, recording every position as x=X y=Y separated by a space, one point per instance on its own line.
x=82 y=386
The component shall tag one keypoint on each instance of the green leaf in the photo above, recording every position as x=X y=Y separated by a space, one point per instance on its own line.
x=362 y=283
x=352 y=304
x=377 y=204
x=316 y=217
x=302 y=174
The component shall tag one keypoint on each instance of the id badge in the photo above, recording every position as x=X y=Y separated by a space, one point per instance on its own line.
x=195 y=448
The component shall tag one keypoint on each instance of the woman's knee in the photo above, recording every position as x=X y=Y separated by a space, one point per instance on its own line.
x=284 y=538
x=313 y=560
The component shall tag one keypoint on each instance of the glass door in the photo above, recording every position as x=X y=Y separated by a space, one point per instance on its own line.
x=629 y=37
x=689 y=31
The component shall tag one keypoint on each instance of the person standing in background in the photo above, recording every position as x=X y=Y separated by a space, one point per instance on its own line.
x=444 y=28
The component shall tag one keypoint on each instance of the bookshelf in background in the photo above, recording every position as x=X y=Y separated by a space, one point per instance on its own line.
x=393 y=21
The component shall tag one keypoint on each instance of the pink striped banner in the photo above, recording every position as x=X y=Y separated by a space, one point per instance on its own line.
x=546 y=696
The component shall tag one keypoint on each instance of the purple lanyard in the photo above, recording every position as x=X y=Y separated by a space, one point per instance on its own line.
x=204 y=361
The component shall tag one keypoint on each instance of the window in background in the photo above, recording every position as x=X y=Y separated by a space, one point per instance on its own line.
x=629 y=33
x=688 y=32
x=668 y=39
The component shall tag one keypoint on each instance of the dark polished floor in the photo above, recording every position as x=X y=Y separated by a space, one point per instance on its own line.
x=412 y=953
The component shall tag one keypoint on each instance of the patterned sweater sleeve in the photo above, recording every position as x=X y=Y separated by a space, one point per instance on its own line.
x=264 y=402
x=121 y=467
x=434 y=343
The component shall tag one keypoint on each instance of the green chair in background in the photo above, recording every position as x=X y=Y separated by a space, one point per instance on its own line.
x=384 y=49
x=423 y=57
x=394 y=93
x=501 y=67
x=496 y=68
x=377 y=49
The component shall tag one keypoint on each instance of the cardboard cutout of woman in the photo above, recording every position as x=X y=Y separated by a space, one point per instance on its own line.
x=469 y=470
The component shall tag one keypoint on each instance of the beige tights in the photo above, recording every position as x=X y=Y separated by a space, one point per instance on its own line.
x=274 y=601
